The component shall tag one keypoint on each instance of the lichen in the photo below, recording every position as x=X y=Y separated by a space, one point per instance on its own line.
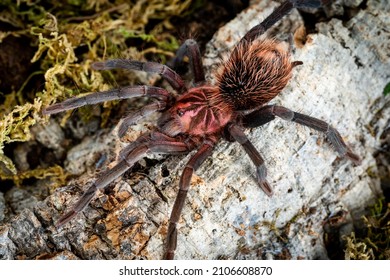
x=68 y=37
x=357 y=250
x=374 y=241
x=55 y=172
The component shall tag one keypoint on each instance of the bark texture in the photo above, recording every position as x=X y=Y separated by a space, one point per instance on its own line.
x=345 y=69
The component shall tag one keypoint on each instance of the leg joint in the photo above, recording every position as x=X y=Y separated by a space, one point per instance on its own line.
x=284 y=113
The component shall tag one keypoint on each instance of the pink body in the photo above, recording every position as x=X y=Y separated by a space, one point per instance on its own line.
x=197 y=113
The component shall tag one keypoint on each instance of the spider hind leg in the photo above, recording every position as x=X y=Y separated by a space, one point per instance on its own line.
x=282 y=10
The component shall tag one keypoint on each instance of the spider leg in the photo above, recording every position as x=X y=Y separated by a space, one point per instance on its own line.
x=270 y=111
x=259 y=117
x=184 y=184
x=150 y=67
x=190 y=47
x=277 y=14
x=154 y=136
x=113 y=94
x=145 y=145
x=134 y=117
x=261 y=171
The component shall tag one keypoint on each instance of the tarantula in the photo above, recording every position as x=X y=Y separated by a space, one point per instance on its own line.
x=197 y=118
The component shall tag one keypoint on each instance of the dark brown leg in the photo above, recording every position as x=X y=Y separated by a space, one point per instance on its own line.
x=259 y=117
x=154 y=136
x=184 y=184
x=332 y=134
x=150 y=67
x=267 y=113
x=126 y=162
x=104 y=179
x=277 y=14
x=190 y=47
x=109 y=95
x=258 y=161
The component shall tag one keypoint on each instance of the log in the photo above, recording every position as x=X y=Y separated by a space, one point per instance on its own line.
x=226 y=216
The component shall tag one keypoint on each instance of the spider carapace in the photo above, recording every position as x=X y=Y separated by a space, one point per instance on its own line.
x=197 y=118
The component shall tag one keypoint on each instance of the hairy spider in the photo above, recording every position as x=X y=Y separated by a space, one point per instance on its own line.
x=197 y=118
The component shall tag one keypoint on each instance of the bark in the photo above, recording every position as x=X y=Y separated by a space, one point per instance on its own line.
x=226 y=216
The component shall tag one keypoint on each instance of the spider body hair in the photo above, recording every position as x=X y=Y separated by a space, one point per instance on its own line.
x=255 y=73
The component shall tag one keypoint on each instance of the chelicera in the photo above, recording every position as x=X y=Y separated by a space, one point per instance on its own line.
x=199 y=117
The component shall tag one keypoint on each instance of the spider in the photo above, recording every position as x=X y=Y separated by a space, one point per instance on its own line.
x=197 y=118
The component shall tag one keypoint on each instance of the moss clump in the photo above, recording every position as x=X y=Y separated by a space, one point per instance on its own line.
x=68 y=36
x=56 y=172
x=374 y=242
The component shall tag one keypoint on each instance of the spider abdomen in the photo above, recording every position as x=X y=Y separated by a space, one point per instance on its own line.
x=254 y=74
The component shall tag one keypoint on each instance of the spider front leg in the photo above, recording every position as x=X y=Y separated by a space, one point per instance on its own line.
x=138 y=150
x=184 y=184
x=150 y=67
x=268 y=113
x=261 y=171
x=109 y=95
x=190 y=47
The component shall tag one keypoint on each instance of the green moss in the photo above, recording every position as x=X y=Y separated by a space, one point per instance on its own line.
x=69 y=36
x=386 y=90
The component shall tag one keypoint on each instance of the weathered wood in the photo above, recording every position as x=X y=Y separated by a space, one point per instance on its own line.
x=345 y=68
